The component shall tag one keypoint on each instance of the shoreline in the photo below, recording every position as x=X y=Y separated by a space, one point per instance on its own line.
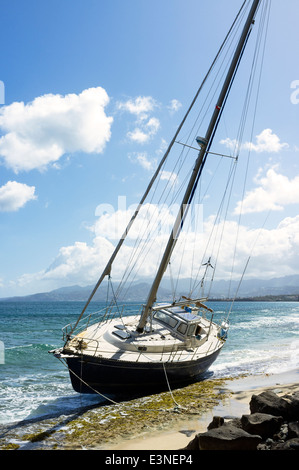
x=239 y=392
x=162 y=422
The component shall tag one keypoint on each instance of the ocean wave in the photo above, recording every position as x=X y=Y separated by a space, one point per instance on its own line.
x=267 y=322
x=37 y=399
x=275 y=357
x=19 y=346
x=32 y=346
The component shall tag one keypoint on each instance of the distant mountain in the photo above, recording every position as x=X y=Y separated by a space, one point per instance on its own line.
x=288 y=285
x=138 y=292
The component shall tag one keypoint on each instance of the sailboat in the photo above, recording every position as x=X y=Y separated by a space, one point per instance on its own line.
x=166 y=343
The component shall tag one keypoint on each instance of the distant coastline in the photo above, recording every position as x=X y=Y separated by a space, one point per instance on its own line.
x=47 y=297
x=276 y=292
x=265 y=298
x=284 y=289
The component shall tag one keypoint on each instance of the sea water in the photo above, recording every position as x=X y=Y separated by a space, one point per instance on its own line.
x=263 y=338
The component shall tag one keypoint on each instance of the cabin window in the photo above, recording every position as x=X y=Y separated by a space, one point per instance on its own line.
x=182 y=328
x=166 y=319
x=191 y=329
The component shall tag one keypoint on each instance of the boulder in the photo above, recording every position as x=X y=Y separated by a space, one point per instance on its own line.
x=293 y=405
x=290 y=444
x=216 y=422
x=228 y=437
x=282 y=435
x=269 y=403
x=272 y=425
x=193 y=445
x=293 y=429
x=263 y=424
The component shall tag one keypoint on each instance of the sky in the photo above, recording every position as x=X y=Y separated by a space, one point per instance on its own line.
x=92 y=91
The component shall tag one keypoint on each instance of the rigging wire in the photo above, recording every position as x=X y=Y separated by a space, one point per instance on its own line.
x=192 y=194
x=232 y=34
x=246 y=265
x=264 y=21
x=167 y=152
x=241 y=129
x=141 y=245
x=216 y=225
x=192 y=198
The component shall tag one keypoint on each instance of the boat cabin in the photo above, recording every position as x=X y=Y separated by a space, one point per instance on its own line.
x=180 y=320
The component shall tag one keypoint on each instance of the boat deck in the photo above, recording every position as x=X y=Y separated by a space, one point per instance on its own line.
x=117 y=339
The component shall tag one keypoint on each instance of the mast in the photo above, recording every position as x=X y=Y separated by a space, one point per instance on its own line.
x=205 y=144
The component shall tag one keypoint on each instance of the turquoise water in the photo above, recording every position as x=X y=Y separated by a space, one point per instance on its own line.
x=263 y=338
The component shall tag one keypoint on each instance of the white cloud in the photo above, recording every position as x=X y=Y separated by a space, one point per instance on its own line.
x=153 y=125
x=162 y=148
x=152 y=219
x=39 y=133
x=79 y=262
x=175 y=105
x=15 y=195
x=145 y=126
x=139 y=136
x=274 y=192
x=143 y=160
x=82 y=263
x=266 y=141
x=75 y=264
x=140 y=106
x=169 y=176
x=145 y=131
x=276 y=251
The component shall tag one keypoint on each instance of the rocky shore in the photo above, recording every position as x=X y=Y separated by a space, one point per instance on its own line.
x=256 y=412
x=273 y=424
x=104 y=426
